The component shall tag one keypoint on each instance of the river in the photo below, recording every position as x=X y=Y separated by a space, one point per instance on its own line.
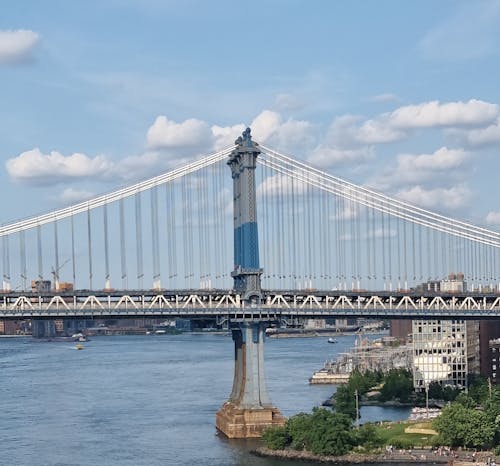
x=145 y=400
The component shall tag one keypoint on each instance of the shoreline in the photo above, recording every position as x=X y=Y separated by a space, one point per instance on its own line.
x=417 y=456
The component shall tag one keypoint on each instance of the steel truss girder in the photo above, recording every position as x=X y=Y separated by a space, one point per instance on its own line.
x=275 y=306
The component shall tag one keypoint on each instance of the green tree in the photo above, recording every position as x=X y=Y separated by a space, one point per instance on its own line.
x=369 y=437
x=298 y=428
x=398 y=384
x=331 y=433
x=459 y=425
x=345 y=401
x=276 y=438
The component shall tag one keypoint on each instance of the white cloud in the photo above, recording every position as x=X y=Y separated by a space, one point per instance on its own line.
x=493 y=218
x=226 y=135
x=384 y=98
x=326 y=157
x=440 y=198
x=441 y=159
x=35 y=167
x=482 y=136
x=17 y=46
x=470 y=32
x=436 y=114
x=72 y=196
x=288 y=103
x=425 y=169
x=265 y=125
x=167 y=134
x=379 y=131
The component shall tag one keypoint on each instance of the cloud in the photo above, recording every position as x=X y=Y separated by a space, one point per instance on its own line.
x=422 y=168
x=226 y=135
x=265 y=125
x=479 y=137
x=451 y=198
x=288 y=103
x=17 y=46
x=470 y=32
x=37 y=168
x=493 y=218
x=327 y=157
x=72 y=196
x=167 y=134
x=443 y=159
x=436 y=114
x=384 y=98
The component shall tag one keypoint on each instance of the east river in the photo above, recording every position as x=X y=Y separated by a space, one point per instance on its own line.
x=137 y=401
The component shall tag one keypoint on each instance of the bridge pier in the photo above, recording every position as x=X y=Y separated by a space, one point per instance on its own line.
x=249 y=409
x=43 y=328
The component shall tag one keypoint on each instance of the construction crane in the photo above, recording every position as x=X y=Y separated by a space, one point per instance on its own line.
x=55 y=273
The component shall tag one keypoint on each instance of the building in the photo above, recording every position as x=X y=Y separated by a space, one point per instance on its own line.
x=494 y=360
x=444 y=351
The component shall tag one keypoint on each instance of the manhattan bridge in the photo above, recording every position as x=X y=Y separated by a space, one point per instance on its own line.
x=279 y=239
x=175 y=244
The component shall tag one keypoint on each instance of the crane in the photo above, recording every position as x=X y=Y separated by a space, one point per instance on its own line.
x=55 y=273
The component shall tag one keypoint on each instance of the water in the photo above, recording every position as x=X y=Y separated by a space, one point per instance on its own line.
x=144 y=400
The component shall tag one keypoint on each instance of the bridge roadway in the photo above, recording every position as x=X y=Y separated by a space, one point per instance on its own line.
x=277 y=304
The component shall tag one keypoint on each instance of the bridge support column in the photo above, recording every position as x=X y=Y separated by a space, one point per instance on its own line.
x=43 y=328
x=249 y=410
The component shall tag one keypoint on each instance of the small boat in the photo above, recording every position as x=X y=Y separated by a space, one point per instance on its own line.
x=79 y=337
x=79 y=346
x=332 y=340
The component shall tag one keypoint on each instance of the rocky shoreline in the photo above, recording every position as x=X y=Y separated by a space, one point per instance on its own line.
x=401 y=457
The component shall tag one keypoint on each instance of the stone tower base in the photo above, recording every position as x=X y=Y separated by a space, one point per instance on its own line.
x=236 y=422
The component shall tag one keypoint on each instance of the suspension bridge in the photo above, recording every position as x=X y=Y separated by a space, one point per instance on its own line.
x=192 y=242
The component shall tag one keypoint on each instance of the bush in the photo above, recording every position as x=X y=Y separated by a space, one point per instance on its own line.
x=402 y=443
x=276 y=438
x=368 y=437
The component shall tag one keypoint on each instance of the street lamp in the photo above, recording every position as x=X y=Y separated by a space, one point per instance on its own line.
x=427 y=399
x=357 y=408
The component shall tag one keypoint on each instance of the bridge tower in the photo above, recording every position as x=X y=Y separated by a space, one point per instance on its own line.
x=249 y=410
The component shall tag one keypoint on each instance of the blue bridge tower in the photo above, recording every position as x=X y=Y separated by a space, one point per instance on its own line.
x=249 y=410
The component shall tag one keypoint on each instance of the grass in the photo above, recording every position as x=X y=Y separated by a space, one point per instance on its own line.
x=394 y=433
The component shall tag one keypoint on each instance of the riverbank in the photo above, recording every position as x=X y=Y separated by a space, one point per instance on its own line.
x=416 y=456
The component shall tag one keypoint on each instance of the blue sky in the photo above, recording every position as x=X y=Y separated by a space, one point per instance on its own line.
x=400 y=96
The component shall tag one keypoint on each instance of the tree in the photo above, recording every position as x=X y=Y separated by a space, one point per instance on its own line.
x=398 y=384
x=276 y=438
x=331 y=433
x=368 y=436
x=345 y=401
x=459 y=425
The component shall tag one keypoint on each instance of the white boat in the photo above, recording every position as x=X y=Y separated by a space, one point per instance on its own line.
x=332 y=340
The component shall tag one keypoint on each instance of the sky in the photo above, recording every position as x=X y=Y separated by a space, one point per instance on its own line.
x=402 y=97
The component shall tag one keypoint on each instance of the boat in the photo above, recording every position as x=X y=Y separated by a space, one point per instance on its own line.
x=79 y=337
x=332 y=340
x=79 y=346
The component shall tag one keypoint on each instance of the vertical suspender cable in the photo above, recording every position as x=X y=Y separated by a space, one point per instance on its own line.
x=107 y=283
x=22 y=257
x=39 y=251
x=155 y=244
x=73 y=263
x=89 y=238
x=384 y=267
x=123 y=256
x=138 y=240
x=6 y=263
x=56 y=257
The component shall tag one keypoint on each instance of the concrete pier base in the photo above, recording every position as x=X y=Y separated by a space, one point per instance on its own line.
x=237 y=422
x=249 y=410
